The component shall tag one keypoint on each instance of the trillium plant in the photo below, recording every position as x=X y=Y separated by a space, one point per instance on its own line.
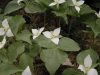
x=49 y=37
x=87 y=67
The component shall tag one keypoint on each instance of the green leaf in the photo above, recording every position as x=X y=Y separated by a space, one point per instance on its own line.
x=97 y=27
x=34 y=49
x=15 y=50
x=53 y=58
x=62 y=15
x=72 y=71
x=81 y=56
x=91 y=21
x=24 y=36
x=45 y=2
x=68 y=44
x=85 y=9
x=3 y=56
x=12 y=6
x=33 y=7
x=16 y=23
x=8 y=69
x=25 y=60
x=45 y=42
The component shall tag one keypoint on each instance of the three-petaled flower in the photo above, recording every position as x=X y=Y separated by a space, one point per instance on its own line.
x=27 y=71
x=57 y=2
x=37 y=32
x=53 y=35
x=77 y=4
x=5 y=31
x=87 y=67
x=98 y=14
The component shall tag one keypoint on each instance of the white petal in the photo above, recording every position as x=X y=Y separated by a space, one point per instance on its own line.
x=82 y=68
x=88 y=61
x=56 y=32
x=92 y=72
x=52 y=4
x=98 y=14
x=27 y=71
x=61 y=1
x=55 y=40
x=74 y=2
x=40 y=30
x=77 y=9
x=35 y=32
x=18 y=1
x=5 y=24
x=9 y=33
x=2 y=32
x=47 y=34
x=34 y=37
x=3 y=42
x=79 y=3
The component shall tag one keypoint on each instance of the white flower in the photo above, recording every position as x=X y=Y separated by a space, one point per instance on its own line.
x=18 y=1
x=77 y=4
x=87 y=67
x=5 y=30
x=3 y=42
x=53 y=35
x=37 y=32
x=27 y=71
x=57 y=2
x=98 y=14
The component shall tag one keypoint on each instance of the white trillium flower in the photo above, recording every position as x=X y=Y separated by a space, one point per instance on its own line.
x=87 y=67
x=37 y=32
x=98 y=14
x=5 y=30
x=18 y=1
x=3 y=42
x=57 y=2
x=77 y=4
x=27 y=71
x=53 y=35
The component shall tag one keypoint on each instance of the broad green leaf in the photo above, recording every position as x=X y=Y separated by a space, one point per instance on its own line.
x=24 y=36
x=15 y=50
x=46 y=2
x=53 y=58
x=62 y=15
x=25 y=60
x=90 y=21
x=33 y=7
x=12 y=6
x=65 y=10
x=67 y=44
x=16 y=23
x=34 y=49
x=45 y=42
x=8 y=69
x=83 y=54
x=3 y=55
x=71 y=11
x=85 y=9
x=72 y=71
x=97 y=27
